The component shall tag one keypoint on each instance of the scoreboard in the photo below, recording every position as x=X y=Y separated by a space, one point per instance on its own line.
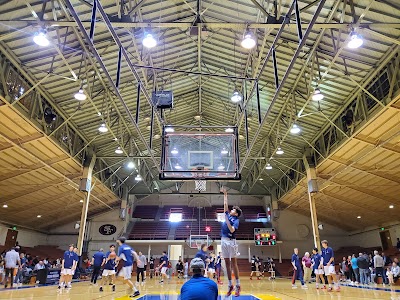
x=265 y=236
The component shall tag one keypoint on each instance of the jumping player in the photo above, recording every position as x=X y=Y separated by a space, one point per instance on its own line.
x=317 y=268
x=126 y=254
x=328 y=260
x=228 y=243
x=68 y=265
x=109 y=269
x=218 y=268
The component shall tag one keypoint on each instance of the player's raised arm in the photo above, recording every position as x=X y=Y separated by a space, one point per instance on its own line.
x=225 y=199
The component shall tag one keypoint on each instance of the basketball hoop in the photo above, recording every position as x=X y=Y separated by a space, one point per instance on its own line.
x=200 y=185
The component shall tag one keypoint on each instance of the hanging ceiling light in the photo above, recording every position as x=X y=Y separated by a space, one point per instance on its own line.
x=80 y=96
x=355 y=40
x=147 y=118
x=169 y=129
x=224 y=151
x=221 y=167
x=178 y=167
x=81 y=201
x=248 y=41
x=268 y=167
x=197 y=117
x=156 y=136
x=241 y=137
x=138 y=177
x=295 y=129
x=229 y=130
x=279 y=151
x=174 y=151
x=5 y=205
x=39 y=216
x=130 y=165
x=119 y=150
x=40 y=38
x=149 y=41
x=236 y=97
x=103 y=128
x=148 y=127
x=317 y=96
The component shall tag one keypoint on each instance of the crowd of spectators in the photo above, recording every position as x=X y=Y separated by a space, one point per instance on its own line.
x=18 y=267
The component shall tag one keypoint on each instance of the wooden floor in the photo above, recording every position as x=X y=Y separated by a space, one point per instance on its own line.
x=263 y=289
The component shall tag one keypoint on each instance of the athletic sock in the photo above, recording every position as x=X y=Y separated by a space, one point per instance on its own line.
x=229 y=282
x=237 y=281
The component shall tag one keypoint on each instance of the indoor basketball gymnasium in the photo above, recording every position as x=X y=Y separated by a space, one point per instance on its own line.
x=199 y=149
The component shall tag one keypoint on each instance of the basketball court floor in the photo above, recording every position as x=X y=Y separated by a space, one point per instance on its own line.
x=151 y=290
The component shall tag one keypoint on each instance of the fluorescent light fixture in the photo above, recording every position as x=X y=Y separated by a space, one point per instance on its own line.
x=279 y=151
x=358 y=217
x=175 y=217
x=229 y=130
x=130 y=165
x=103 y=128
x=295 y=129
x=156 y=136
x=268 y=167
x=81 y=201
x=80 y=96
x=138 y=177
x=147 y=119
x=40 y=38
x=5 y=205
x=221 y=167
x=174 y=151
x=39 y=216
x=317 y=96
x=390 y=206
x=236 y=97
x=224 y=151
x=119 y=150
x=178 y=167
x=149 y=41
x=248 y=41
x=99 y=114
x=355 y=41
x=197 y=117
x=260 y=179
x=169 y=129
x=148 y=127
x=241 y=137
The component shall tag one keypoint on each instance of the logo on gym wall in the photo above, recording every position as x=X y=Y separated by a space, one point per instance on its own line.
x=107 y=229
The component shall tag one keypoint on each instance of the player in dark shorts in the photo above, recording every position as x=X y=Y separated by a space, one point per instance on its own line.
x=151 y=263
x=218 y=268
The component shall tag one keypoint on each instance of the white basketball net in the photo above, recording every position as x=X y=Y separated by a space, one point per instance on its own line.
x=200 y=185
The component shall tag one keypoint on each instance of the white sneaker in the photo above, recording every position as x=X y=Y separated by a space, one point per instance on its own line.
x=69 y=286
x=304 y=287
x=294 y=286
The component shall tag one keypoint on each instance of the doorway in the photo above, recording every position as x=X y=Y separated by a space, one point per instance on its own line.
x=386 y=240
x=11 y=239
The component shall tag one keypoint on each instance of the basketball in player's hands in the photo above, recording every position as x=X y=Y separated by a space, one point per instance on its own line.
x=112 y=255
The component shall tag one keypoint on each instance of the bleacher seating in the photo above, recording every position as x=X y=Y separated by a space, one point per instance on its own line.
x=145 y=212
x=150 y=231
x=246 y=230
x=251 y=212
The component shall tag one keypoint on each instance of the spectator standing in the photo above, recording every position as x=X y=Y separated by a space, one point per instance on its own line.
x=98 y=261
x=306 y=261
x=199 y=287
x=20 y=276
x=398 y=244
x=141 y=263
x=363 y=266
x=356 y=270
x=379 y=267
x=386 y=260
x=12 y=261
x=297 y=272
x=344 y=268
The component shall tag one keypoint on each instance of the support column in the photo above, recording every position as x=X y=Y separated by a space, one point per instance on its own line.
x=149 y=252
x=85 y=186
x=312 y=190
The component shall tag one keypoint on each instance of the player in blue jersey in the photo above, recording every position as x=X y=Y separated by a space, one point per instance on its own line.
x=211 y=265
x=163 y=266
x=228 y=243
x=68 y=266
x=125 y=256
x=202 y=253
x=109 y=269
x=297 y=270
x=317 y=267
x=98 y=261
x=218 y=267
x=328 y=260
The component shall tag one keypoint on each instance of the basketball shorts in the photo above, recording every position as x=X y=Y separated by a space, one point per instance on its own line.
x=229 y=248
x=329 y=270
x=318 y=271
x=211 y=270
x=164 y=270
x=253 y=269
x=126 y=272
x=108 y=272
x=67 y=272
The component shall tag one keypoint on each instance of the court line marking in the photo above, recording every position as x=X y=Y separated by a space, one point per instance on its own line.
x=372 y=288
